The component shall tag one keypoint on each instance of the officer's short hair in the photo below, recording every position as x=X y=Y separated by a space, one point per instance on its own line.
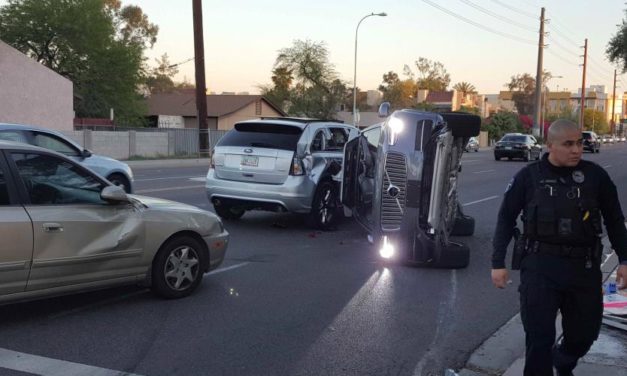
x=560 y=126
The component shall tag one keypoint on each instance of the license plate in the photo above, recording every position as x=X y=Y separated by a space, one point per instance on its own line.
x=508 y=148
x=249 y=160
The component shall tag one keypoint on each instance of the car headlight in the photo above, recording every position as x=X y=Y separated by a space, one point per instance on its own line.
x=387 y=250
x=396 y=126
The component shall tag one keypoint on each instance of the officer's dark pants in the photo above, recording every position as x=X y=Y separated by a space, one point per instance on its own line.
x=550 y=284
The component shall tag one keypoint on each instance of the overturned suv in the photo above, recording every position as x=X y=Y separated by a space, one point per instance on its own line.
x=400 y=183
x=280 y=165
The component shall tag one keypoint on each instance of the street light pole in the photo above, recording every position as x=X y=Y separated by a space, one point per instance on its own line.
x=382 y=14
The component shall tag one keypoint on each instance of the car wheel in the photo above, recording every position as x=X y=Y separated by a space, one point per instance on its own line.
x=496 y=158
x=228 y=212
x=177 y=269
x=121 y=181
x=325 y=207
x=476 y=150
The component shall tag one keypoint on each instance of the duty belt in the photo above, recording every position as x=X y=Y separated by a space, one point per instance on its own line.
x=559 y=249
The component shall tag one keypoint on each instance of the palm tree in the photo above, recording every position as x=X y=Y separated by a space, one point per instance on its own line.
x=465 y=88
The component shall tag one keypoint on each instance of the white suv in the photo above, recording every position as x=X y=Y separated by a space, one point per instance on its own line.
x=281 y=165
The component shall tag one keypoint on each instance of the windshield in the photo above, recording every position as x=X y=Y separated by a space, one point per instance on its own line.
x=514 y=139
x=263 y=135
x=586 y=136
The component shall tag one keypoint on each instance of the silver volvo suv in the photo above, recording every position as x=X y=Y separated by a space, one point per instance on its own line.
x=281 y=165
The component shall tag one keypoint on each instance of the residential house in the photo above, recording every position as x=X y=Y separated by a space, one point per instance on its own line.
x=178 y=110
x=33 y=94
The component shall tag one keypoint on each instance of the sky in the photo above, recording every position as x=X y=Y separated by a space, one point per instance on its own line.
x=242 y=39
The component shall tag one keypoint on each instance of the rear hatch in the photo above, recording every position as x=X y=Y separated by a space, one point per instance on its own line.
x=257 y=152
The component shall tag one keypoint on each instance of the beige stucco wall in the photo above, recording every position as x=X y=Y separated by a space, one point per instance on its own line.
x=228 y=121
x=33 y=94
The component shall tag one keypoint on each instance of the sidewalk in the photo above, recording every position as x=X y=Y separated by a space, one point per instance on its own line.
x=503 y=353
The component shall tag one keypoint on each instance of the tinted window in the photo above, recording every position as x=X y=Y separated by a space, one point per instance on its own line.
x=514 y=139
x=4 y=191
x=586 y=136
x=51 y=180
x=54 y=143
x=272 y=136
x=16 y=136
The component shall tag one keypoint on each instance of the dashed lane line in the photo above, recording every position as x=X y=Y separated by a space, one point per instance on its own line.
x=483 y=172
x=227 y=268
x=482 y=200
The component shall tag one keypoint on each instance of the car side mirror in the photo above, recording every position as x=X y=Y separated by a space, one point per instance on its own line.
x=86 y=153
x=114 y=194
x=384 y=109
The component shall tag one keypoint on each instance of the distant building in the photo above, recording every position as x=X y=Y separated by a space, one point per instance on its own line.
x=178 y=110
x=33 y=94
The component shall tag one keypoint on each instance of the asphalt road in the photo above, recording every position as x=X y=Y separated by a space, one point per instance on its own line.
x=289 y=300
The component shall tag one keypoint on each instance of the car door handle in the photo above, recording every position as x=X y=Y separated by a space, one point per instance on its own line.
x=52 y=227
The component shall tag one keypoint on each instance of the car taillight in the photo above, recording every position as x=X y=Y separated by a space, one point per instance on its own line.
x=297 y=168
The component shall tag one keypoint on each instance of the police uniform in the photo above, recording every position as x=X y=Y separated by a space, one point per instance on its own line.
x=562 y=209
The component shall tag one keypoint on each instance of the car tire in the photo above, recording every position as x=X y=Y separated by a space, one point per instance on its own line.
x=476 y=150
x=496 y=158
x=228 y=212
x=121 y=181
x=325 y=208
x=178 y=267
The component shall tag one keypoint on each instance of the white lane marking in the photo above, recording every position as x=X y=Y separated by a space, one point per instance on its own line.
x=170 y=178
x=470 y=161
x=482 y=172
x=141 y=191
x=482 y=200
x=40 y=365
x=608 y=166
x=200 y=178
x=227 y=268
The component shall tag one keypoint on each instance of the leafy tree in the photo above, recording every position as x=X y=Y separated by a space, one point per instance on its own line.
x=317 y=91
x=433 y=75
x=594 y=120
x=279 y=94
x=97 y=44
x=465 y=88
x=500 y=123
x=471 y=110
x=160 y=79
x=616 y=50
x=523 y=87
x=400 y=93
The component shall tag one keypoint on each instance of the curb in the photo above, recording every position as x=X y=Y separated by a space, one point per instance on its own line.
x=192 y=162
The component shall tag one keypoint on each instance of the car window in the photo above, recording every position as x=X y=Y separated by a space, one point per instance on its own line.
x=52 y=180
x=4 y=190
x=514 y=138
x=317 y=144
x=263 y=135
x=16 y=136
x=339 y=136
x=373 y=136
x=54 y=143
x=586 y=136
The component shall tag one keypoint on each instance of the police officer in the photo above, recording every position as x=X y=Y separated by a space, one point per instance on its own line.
x=563 y=199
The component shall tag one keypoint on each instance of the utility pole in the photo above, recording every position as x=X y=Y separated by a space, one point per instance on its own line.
x=613 y=123
x=201 y=86
x=539 y=82
x=583 y=85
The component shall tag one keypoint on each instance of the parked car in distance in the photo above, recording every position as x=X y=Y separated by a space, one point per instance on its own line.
x=71 y=231
x=118 y=173
x=591 y=141
x=607 y=139
x=472 y=145
x=517 y=145
x=281 y=165
x=623 y=139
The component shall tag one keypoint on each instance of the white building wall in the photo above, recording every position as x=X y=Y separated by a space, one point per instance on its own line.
x=33 y=94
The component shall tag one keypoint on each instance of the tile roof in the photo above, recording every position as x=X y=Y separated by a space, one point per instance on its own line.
x=184 y=104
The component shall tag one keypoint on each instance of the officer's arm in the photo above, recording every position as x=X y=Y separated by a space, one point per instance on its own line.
x=513 y=203
x=613 y=216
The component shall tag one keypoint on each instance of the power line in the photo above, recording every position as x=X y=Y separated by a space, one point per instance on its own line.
x=498 y=16
x=561 y=58
x=513 y=37
x=504 y=5
x=557 y=31
x=556 y=43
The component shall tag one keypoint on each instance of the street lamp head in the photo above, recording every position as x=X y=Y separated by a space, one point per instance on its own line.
x=382 y=14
